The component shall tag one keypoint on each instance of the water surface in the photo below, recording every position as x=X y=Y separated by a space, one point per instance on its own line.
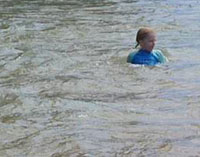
x=66 y=89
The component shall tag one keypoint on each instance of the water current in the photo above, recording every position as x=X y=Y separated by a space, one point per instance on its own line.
x=66 y=89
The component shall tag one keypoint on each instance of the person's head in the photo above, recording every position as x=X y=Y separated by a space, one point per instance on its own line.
x=146 y=38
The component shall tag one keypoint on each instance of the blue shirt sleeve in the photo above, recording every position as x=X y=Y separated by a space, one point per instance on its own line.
x=159 y=55
x=130 y=57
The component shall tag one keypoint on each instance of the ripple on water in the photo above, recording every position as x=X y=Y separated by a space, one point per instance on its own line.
x=66 y=89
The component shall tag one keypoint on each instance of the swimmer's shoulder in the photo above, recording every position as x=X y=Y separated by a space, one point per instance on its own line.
x=131 y=56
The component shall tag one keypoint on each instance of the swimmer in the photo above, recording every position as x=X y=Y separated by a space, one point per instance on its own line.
x=146 y=55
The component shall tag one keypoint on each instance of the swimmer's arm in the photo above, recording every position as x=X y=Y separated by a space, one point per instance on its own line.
x=161 y=57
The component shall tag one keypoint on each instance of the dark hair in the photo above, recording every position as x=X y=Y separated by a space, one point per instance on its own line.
x=142 y=34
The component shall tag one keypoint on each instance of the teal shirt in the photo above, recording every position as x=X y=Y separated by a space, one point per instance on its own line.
x=147 y=58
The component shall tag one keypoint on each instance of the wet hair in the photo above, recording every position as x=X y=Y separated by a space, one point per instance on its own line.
x=142 y=34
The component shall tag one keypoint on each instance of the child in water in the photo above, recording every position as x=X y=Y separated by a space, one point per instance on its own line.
x=146 y=38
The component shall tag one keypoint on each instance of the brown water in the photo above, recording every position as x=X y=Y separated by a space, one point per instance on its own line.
x=66 y=89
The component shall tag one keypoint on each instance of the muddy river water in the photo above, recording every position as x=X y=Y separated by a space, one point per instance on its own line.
x=66 y=89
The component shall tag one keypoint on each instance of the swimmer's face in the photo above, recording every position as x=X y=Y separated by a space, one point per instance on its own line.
x=148 y=42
